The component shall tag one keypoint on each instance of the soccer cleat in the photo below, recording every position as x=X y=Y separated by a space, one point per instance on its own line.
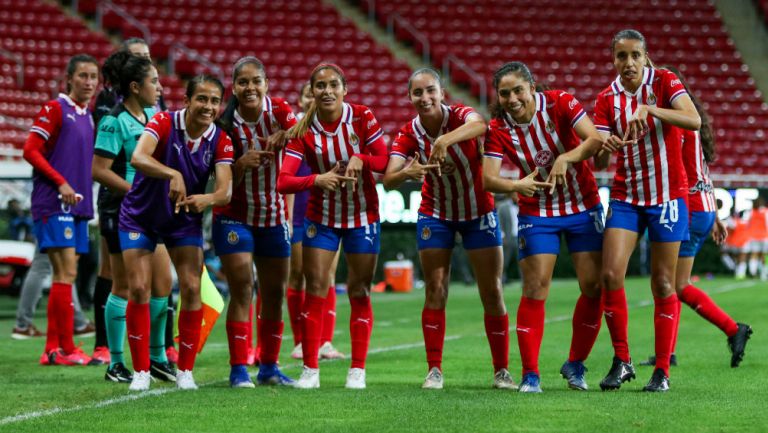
x=297 y=353
x=651 y=361
x=78 y=357
x=619 y=373
x=26 y=333
x=434 y=379
x=89 y=330
x=45 y=358
x=573 y=372
x=100 y=356
x=309 y=379
x=239 y=377
x=659 y=382
x=172 y=354
x=503 y=380
x=140 y=381
x=118 y=373
x=355 y=379
x=271 y=375
x=184 y=380
x=327 y=351
x=738 y=342
x=163 y=371
x=530 y=383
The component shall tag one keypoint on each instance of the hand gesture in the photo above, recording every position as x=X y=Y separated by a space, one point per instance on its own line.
x=332 y=180
x=416 y=171
x=528 y=185
x=277 y=141
x=256 y=158
x=354 y=169
x=437 y=153
x=196 y=203
x=614 y=144
x=177 y=190
x=637 y=126
x=557 y=173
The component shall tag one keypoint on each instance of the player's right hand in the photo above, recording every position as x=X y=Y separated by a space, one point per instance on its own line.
x=528 y=186
x=332 y=180
x=67 y=195
x=177 y=190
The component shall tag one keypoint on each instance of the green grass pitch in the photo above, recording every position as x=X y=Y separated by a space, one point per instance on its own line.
x=706 y=396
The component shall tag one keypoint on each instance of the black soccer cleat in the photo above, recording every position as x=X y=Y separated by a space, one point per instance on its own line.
x=738 y=342
x=659 y=382
x=651 y=361
x=118 y=373
x=162 y=371
x=619 y=373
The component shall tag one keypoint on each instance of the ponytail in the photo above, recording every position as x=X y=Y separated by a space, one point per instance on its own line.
x=302 y=126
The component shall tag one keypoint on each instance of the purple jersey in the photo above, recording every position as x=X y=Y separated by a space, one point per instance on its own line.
x=71 y=156
x=300 y=199
x=146 y=207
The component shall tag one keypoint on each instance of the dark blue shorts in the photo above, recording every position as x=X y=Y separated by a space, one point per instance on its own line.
x=700 y=227
x=298 y=234
x=541 y=235
x=666 y=222
x=483 y=232
x=148 y=241
x=231 y=237
x=360 y=240
x=62 y=230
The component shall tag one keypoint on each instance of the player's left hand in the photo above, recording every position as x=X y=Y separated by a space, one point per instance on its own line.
x=557 y=173
x=719 y=233
x=354 y=169
x=637 y=126
x=197 y=203
x=277 y=141
x=438 y=151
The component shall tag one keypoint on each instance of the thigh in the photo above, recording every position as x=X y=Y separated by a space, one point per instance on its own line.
x=139 y=261
x=663 y=267
x=360 y=269
x=161 y=272
x=238 y=268
x=296 y=279
x=683 y=273
x=119 y=276
x=317 y=261
x=272 y=273
x=105 y=269
x=188 y=261
x=536 y=272
x=487 y=265
x=618 y=245
x=64 y=264
x=588 y=266
x=436 y=267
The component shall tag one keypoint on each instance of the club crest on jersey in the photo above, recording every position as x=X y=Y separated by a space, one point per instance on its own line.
x=311 y=231
x=134 y=236
x=354 y=140
x=550 y=126
x=426 y=233
x=232 y=237
x=207 y=156
x=447 y=167
x=544 y=158
x=651 y=99
x=68 y=233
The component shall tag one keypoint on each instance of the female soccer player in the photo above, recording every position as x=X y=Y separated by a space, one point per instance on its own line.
x=440 y=146
x=343 y=145
x=640 y=115
x=698 y=151
x=294 y=295
x=548 y=135
x=254 y=224
x=137 y=86
x=59 y=143
x=174 y=158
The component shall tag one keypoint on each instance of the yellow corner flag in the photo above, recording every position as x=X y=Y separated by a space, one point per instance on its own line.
x=213 y=305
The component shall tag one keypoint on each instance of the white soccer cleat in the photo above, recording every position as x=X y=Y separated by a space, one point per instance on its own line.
x=309 y=379
x=327 y=351
x=184 y=380
x=140 y=382
x=355 y=379
x=503 y=380
x=297 y=353
x=434 y=379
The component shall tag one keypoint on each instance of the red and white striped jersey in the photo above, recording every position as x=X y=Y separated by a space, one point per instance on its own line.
x=536 y=145
x=701 y=198
x=255 y=200
x=458 y=194
x=651 y=171
x=357 y=133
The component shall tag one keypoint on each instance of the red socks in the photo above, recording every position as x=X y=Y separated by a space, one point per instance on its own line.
x=237 y=336
x=677 y=324
x=530 y=331
x=137 y=326
x=311 y=321
x=294 y=299
x=706 y=307
x=587 y=317
x=497 y=331
x=664 y=321
x=360 y=327
x=270 y=338
x=189 y=337
x=615 y=310
x=61 y=315
x=329 y=316
x=433 y=327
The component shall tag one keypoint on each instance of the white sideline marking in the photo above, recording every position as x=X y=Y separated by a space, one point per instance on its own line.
x=155 y=392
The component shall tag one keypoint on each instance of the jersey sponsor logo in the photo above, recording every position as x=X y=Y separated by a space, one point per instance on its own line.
x=674 y=83
x=229 y=148
x=651 y=99
x=524 y=226
x=544 y=158
x=572 y=104
x=700 y=186
x=426 y=233
x=370 y=123
x=68 y=233
x=354 y=140
x=107 y=128
x=66 y=218
x=232 y=237
x=311 y=231
x=550 y=126
x=154 y=121
x=134 y=236
x=290 y=116
x=71 y=117
x=43 y=119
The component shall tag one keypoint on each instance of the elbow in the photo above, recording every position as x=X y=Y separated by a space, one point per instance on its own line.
x=488 y=184
x=696 y=122
x=389 y=183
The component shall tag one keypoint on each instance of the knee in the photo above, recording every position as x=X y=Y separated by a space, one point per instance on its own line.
x=662 y=285
x=436 y=295
x=611 y=280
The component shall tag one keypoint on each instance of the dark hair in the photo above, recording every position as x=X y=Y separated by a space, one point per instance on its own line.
x=135 y=69
x=74 y=61
x=112 y=67
x=706 y=133
x=301 y=127
x=519 y=68
x=131 y=41
x=200 y=79
x=227 y=117
x=635 y=35
x=429 y=71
